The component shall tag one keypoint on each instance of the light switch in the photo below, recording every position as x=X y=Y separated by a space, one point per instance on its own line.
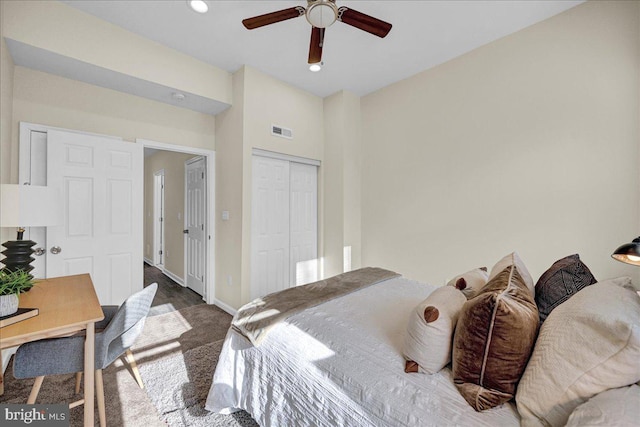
x=225 y=215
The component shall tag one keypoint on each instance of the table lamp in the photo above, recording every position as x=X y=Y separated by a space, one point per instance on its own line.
x=25 y=206
x=629 y=253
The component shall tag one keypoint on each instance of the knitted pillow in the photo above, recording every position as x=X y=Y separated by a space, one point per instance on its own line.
x=587 y=345
x=615 y=407
x=562 y=280
x=427 y=344
x=494 y=337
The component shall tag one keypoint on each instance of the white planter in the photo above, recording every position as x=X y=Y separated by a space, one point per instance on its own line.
x=8 y=304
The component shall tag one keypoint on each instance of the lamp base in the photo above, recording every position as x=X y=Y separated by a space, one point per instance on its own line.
x=18 y=255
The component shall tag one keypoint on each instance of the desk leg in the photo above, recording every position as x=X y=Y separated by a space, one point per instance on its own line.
x=89 y=372
x=1 y=375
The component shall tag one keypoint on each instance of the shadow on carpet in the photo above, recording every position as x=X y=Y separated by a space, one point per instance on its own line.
x=177 y=356
x=178 y=387
x=176 y=353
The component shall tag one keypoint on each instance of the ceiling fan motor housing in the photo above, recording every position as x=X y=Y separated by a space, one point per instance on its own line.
x=321 y=13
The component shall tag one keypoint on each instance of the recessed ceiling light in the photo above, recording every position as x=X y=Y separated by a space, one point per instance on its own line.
x=315 y=67
x=199 y=6
x=178 y=96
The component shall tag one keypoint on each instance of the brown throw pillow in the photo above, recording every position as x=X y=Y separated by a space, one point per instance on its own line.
x=561 y=281
x=494 y=338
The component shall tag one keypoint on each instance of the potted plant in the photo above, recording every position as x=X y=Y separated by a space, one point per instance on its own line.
x=12 y=283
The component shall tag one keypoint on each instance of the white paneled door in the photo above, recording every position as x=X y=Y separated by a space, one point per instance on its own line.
x=195 y=223
x=283 y=225
x=303 y=223
x=101 y=187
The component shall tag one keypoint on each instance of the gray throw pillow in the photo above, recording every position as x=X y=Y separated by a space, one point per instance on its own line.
x=561 y=281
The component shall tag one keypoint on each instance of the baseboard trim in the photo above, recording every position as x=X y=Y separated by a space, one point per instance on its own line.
x=226 y=307
x=148 y=262
x=170 y=275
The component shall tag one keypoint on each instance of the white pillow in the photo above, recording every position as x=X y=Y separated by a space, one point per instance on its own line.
x=514 y=259
x=619 y=407
x=427 y=345
x=470 y=282
x=588 y=344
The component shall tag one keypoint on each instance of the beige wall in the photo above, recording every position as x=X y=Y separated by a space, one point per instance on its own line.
x=341 y=174
x=56 y=101
x=269 y=101
x=63 y=30
x=229 y=158
x=6 y=105
x=173 y=165
x=259 y=102
x=6 y=117
x=530 y=143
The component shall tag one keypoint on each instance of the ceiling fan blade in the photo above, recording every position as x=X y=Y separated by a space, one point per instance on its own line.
x=364 y=22
x=273 y=17
x=315 y=47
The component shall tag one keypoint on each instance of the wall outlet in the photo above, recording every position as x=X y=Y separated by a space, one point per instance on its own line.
x=229 y=281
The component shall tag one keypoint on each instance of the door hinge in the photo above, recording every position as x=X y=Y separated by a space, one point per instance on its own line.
x=202 y=227
x=160 y=252
x=202 y=175
x=161 y=219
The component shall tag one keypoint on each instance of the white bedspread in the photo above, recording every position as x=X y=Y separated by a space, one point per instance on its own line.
x=341 y=364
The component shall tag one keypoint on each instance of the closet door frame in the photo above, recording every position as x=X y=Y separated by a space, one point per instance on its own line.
x=257 y=289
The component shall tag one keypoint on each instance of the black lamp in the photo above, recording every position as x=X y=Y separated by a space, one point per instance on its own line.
x=629 y=253
x=25 y=206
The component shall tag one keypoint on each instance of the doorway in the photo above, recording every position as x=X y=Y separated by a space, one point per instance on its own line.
x=187 y=220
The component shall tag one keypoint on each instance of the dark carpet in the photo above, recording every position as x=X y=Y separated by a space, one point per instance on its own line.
x=176 y=354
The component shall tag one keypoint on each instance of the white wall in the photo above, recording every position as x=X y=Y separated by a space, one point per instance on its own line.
x=530 y=143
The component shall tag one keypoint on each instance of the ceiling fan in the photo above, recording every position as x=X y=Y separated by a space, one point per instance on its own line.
x=321 y=14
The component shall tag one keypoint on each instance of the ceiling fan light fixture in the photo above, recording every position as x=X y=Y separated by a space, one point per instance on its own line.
x=322 y=13
x=314 y=68
x=199 y=6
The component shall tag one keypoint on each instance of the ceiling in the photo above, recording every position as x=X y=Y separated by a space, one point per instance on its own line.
x=424 y=34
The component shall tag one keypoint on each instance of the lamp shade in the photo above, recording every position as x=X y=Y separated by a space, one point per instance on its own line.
x=629 y=253
x=28 y=206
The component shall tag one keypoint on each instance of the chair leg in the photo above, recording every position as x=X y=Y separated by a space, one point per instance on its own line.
x=100 y=396
x=134 y=368
x=78 y=381
x=35 y=390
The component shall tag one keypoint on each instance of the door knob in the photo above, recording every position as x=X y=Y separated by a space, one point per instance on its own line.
x=39 y=251
x=56 y=250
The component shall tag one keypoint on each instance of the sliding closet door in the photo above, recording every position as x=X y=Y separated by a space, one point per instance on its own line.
x=284 y=225
x=303 y=223
x=269 y=226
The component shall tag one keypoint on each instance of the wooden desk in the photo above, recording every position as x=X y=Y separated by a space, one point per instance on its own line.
x=67 y=305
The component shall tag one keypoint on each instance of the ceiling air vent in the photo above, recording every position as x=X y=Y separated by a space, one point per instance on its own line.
x=281 y=131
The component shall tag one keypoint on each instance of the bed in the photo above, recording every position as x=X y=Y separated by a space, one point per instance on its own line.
x=341 y=364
